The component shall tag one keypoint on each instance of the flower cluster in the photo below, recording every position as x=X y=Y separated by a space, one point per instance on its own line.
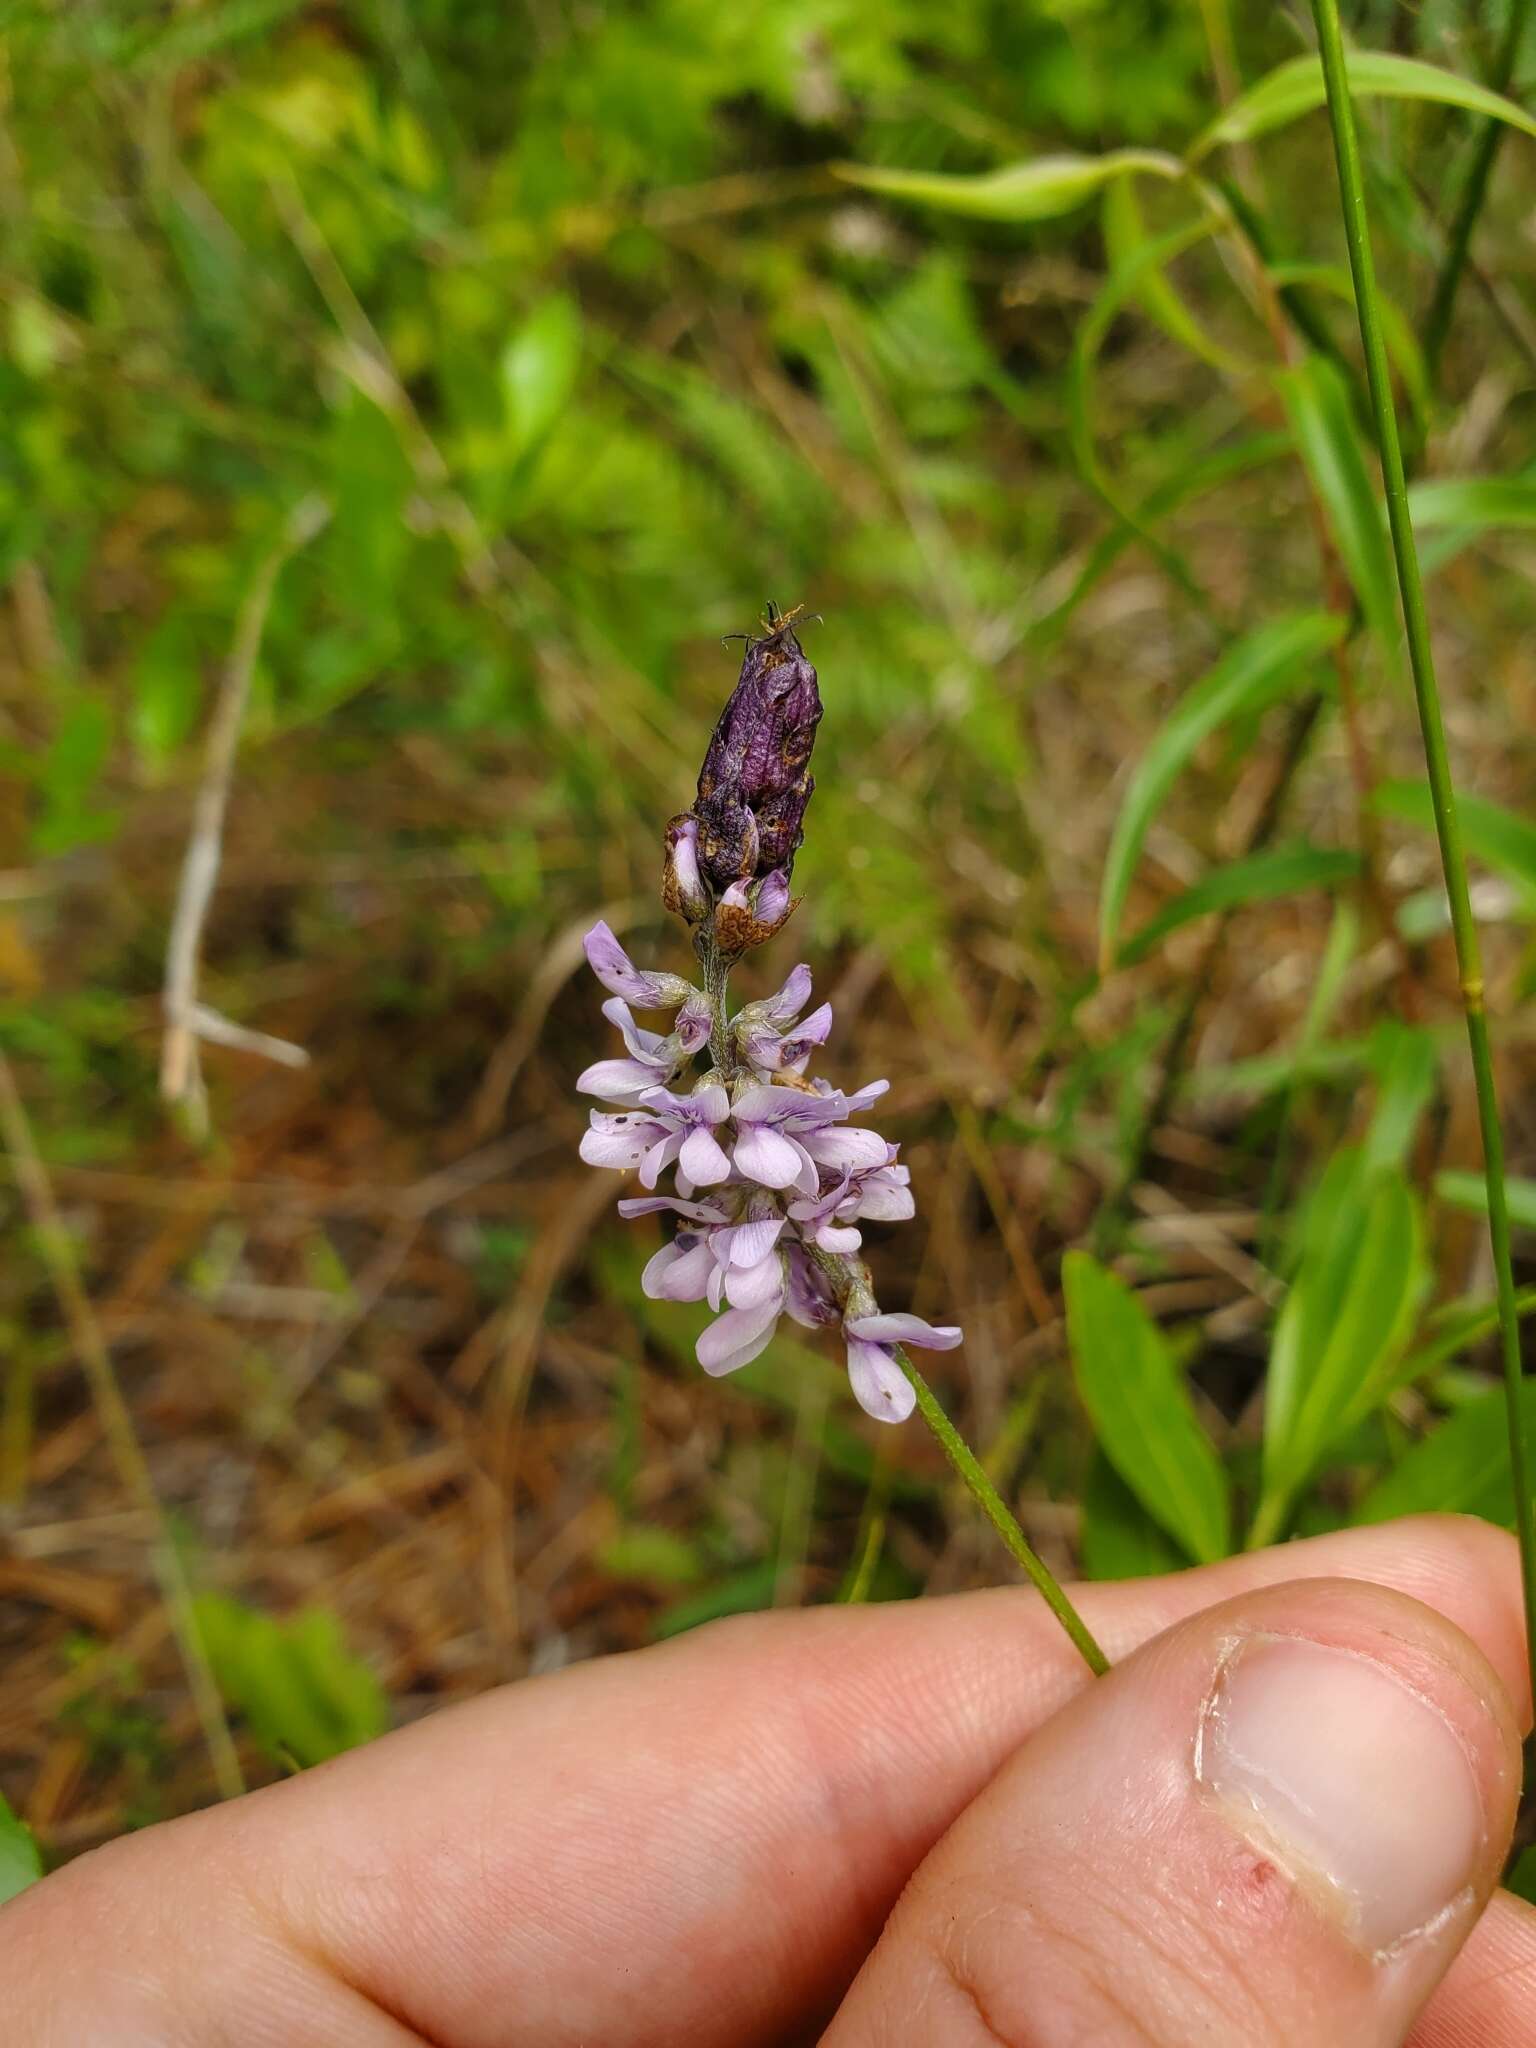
x=771 y=1179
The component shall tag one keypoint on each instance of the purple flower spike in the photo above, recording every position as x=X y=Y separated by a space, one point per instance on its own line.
x=615 y=970
x=756 y=780
x=773 y=1184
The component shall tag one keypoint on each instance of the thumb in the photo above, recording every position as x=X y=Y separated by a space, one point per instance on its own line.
x=1272 y=1826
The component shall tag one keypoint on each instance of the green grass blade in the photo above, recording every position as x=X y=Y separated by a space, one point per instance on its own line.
x=1261 y=878
x=1254 y=672
x=1141 y=1411
x=1495 y=835
x=1437 y=762
x=1470 y=1191
x=1040 y=188
x=1298 y=87
x=1317 y=405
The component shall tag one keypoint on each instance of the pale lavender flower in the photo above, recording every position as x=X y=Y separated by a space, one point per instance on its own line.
x=737 y=1337
x=652 y=1062
x=879 y=1385
x=689 y=1122
x=773 y=1179
x=616 y=971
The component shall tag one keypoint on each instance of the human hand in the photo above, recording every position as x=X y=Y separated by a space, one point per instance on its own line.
x=1278 y=1821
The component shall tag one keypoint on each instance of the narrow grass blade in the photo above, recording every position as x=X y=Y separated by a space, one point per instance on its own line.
x=1298 y=87
x=1437 y=762
x=1283 y=871
x=1254 y=672
x=1141 y=1411
x=1041 y=188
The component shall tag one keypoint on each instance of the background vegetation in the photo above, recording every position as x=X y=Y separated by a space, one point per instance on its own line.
x=456 y=377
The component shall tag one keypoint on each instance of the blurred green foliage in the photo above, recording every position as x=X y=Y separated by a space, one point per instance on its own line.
x=589 y=329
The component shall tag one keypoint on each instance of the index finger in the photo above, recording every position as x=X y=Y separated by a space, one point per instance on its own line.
x=693 y=1844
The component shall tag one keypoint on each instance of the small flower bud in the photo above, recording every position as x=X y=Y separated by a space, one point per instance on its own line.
x=682 y=889
x=756 y=780
x=751 y=912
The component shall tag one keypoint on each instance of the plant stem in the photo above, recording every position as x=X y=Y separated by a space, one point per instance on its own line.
x=1437 y=322
x=717 y=972
x=992 y=1505
x=1437 y=763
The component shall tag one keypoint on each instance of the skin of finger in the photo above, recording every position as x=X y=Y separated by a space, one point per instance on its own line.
x=1488 y=1999
x=1095 y=1892
x=696 y=1844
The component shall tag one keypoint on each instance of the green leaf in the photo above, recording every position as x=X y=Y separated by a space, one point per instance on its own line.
x=742 y=1592
x=21 y=1863
x=1120 y=1540
x=304 y=1694
x=1040 y=188
x=1406 y=1063
x=1253 y=673
x=650 y=1552
x=1296 y=88
x=1470 y=1191
x=1455 y=1327
x=1125 y=238
x=1496 y=836
x=1402 y=342
x=1521 y=1878
x=1141 y=1410
x=1462 y=1467
x=538 y=370
x=1474 y=503
x=1346 y=1321
x=1282 y=871
x=1317 y=404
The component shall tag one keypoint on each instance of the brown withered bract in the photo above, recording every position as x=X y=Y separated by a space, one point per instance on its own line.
x=756 y=780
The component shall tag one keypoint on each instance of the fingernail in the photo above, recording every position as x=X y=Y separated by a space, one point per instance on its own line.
x=1351 y=1780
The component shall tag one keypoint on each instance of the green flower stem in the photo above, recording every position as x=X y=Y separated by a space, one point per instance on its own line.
x=1437 y=322
x=717 y=974
x=992 y=1505
x=1437 y=763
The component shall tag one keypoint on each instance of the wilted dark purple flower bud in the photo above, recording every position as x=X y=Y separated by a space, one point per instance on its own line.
x=756 y=779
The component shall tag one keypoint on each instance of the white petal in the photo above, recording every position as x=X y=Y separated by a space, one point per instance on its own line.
x=846 y=1151
x=832 y=1239
x=616 y=1080
x=659 y=1157
x=751 y=1286
x=709 y=1105
x=767 y=1157
x=879 y=1385
x=614 y=1148
x=792 y=998
x=905 y=1329
x=769 y=1105
x=702 y=1159
x=750 y=1242
x=650 y=1205
x=737 y=1338
x=688 y=1275
x=883 y=1203
x=653 y=1279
